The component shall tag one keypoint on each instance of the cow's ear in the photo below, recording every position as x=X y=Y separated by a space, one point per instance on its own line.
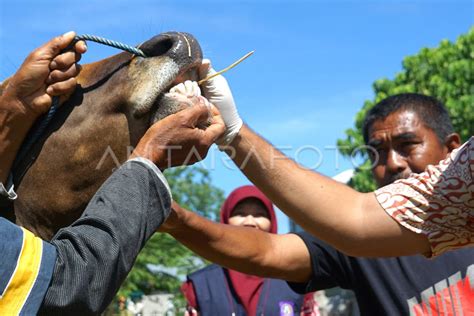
x=3 y=85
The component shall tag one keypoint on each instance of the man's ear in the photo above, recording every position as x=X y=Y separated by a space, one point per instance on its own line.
x=452 y=141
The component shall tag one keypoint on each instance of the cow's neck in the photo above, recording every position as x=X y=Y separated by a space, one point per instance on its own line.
x=90 y=140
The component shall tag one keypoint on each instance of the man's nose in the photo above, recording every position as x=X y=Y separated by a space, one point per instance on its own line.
x=396 y=163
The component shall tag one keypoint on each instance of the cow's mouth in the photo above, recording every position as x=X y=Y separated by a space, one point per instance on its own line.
x=173 y=58
x=191 y=73
x=164 y=104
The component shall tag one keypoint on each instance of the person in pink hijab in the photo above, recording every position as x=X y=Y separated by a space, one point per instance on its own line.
x=215 y=290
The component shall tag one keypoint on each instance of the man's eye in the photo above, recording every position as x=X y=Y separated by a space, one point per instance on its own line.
x=409 y=145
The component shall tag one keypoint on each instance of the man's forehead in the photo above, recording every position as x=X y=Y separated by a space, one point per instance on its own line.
x=396 y=124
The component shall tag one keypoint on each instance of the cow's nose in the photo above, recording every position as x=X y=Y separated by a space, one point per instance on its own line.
x=183 y=48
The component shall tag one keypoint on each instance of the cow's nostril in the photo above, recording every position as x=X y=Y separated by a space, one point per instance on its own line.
x=182 y=48
x=159 y=48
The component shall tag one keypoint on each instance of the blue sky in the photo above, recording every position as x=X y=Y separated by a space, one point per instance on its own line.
x=313 y=67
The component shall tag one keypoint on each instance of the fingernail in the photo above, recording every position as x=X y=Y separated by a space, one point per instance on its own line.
x=49 y=90
x=68 y=33
x=53 y=65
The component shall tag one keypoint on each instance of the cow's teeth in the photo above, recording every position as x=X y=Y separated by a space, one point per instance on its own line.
x=188 y=88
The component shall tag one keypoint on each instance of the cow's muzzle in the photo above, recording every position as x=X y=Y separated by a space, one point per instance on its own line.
x=182 y=48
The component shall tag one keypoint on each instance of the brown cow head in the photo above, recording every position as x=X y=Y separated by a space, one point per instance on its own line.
x=94 y=130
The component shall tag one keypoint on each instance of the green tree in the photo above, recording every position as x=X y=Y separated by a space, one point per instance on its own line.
x=445 y=72
x=191 y=187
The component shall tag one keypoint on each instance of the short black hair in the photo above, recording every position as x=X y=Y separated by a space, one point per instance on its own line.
x=431 y=111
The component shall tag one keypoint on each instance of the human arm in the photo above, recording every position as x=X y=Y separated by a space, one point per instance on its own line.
x=353 y=222
x=244 y=249
x=97 y=251
x=45 y=73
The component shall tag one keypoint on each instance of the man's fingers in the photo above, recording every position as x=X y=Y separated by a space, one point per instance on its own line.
x=80 y=47
x=64 y=41
x=65 y=60
x=56 y=45
x=217 y=127
x=63 y=87
x=215 y=130
x=42 y=103
x=215 y=111
x=62 y=75
x=197 y=113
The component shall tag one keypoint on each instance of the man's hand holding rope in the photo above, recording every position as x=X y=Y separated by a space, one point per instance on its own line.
x=47 y=72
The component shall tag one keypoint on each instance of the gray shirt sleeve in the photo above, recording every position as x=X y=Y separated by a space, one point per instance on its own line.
x=98 y=250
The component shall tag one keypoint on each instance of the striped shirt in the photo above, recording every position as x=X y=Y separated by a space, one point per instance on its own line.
x=26 y=269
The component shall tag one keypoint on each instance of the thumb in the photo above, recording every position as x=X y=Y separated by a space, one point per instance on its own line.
x=198 y=112
x=55 y=46
x=216 y=129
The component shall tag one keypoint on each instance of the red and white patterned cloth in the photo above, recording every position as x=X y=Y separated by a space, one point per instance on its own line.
x=438 y=202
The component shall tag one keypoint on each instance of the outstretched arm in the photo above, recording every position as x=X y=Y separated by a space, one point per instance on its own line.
x=244 y=249
x=353 y=222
